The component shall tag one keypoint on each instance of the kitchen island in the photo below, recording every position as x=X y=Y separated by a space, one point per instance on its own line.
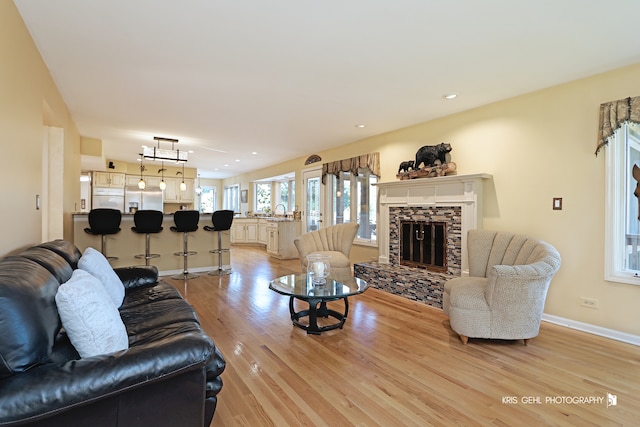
x=127 y=244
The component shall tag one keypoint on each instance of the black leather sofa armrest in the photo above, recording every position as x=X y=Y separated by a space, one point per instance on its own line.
x=48 y=389
x=216 y=365
x=132 y=277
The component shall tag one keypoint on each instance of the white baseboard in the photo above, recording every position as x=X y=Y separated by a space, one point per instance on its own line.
x=193 y=270
x=593 y=329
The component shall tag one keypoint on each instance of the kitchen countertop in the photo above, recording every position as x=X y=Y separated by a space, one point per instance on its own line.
x=268 y=218
x=130 y=214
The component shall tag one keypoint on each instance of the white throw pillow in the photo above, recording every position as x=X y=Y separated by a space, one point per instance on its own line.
x=94 y=263
x=92 y=322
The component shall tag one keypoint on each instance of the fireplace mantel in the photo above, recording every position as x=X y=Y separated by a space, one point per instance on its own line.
x=453 y=190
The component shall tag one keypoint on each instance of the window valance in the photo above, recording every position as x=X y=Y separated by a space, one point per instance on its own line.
x=613 y=115
x=369 y=161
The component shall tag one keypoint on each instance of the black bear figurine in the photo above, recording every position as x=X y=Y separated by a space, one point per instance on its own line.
x=405 y=166
x=428 y=154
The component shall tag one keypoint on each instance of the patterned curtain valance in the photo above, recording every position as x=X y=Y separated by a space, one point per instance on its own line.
x=613 y=115
x=366 y=161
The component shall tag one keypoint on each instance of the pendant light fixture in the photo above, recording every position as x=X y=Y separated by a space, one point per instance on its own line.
x=163 y=185
x=141 y=183
x=157 y=153
x=183 y=186
x=198 y=188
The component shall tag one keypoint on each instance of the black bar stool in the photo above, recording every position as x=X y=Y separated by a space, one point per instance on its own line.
x=186 y=222
x=147 y=222
x=222 y=221
x=102 y=222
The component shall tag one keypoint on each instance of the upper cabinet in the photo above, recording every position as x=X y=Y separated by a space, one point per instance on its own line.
x=173 y=194
x=108 y=179
x=150 y=181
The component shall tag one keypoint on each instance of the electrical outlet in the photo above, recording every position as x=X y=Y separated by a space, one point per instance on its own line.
x=589 y=302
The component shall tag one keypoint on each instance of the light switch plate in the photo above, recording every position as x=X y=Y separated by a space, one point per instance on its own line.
x=557 y=203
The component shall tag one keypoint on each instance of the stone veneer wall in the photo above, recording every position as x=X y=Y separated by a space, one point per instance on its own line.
x=416 y=283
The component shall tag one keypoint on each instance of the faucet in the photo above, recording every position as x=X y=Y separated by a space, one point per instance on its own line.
x=284 y=209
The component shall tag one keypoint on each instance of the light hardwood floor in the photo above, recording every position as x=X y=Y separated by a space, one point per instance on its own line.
x=397 y=363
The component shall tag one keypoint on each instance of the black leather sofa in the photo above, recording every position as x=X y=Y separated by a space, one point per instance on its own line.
x=169 y=376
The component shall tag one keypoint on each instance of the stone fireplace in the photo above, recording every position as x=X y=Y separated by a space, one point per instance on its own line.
x=441 y=207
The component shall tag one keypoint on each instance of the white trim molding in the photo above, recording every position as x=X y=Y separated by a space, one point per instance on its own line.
x=593 y=329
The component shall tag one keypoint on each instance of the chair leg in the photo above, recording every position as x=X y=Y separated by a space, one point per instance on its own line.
x=464 y=339
x=147 y=249
x=219 y=271
x=185 y=275
x=147 y=255
x=103 y=249
x=526 y=341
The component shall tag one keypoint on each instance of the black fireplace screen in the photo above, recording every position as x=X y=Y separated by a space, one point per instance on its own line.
x=423 y=244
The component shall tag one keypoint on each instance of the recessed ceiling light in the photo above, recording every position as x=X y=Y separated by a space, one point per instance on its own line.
x=254 y=152
x=237 y=160
x=450 y=95
x=360 y=125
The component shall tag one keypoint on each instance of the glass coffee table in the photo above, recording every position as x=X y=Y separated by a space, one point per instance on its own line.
x=301 y=286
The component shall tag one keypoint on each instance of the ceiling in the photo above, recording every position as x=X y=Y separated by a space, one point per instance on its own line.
x=245 y=84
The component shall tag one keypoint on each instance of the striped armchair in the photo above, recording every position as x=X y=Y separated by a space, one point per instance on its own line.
x=504 y=295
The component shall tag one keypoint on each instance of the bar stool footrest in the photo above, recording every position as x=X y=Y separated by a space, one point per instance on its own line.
x=219 y=251
x=144 y=256
x=188 y=253
x=220 y=272
x=184 y=276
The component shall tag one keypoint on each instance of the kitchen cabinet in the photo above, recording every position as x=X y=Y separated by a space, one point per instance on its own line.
x=244 y=230
x=150 y=181
x=262 y=231
x=280 y=237
x=108 y=180
x=132 y=180
x=272 y=239
x=173 y=194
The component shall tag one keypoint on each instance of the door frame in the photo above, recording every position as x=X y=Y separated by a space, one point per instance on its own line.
x=314 y=172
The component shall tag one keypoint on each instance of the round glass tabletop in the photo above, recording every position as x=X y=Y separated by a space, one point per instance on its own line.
x=302 y=286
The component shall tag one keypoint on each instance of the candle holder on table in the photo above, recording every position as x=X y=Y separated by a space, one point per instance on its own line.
x=318 y=268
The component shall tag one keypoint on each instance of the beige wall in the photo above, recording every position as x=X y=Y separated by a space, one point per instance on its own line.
x=30 y=100
x=537 y=147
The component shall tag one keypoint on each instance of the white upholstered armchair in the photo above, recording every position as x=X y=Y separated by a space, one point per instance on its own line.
x=335 y=241
x=504 y=295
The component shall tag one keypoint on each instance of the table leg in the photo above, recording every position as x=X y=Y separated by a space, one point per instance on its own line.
x=314 y=311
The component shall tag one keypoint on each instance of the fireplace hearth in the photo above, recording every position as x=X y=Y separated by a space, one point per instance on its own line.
x=423 y=226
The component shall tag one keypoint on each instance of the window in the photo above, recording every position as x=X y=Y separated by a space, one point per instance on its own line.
x=263 y=197
x=208 y=199
x=286 y=194
x=232 y=198
x=354 y=199
x=622 y=234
